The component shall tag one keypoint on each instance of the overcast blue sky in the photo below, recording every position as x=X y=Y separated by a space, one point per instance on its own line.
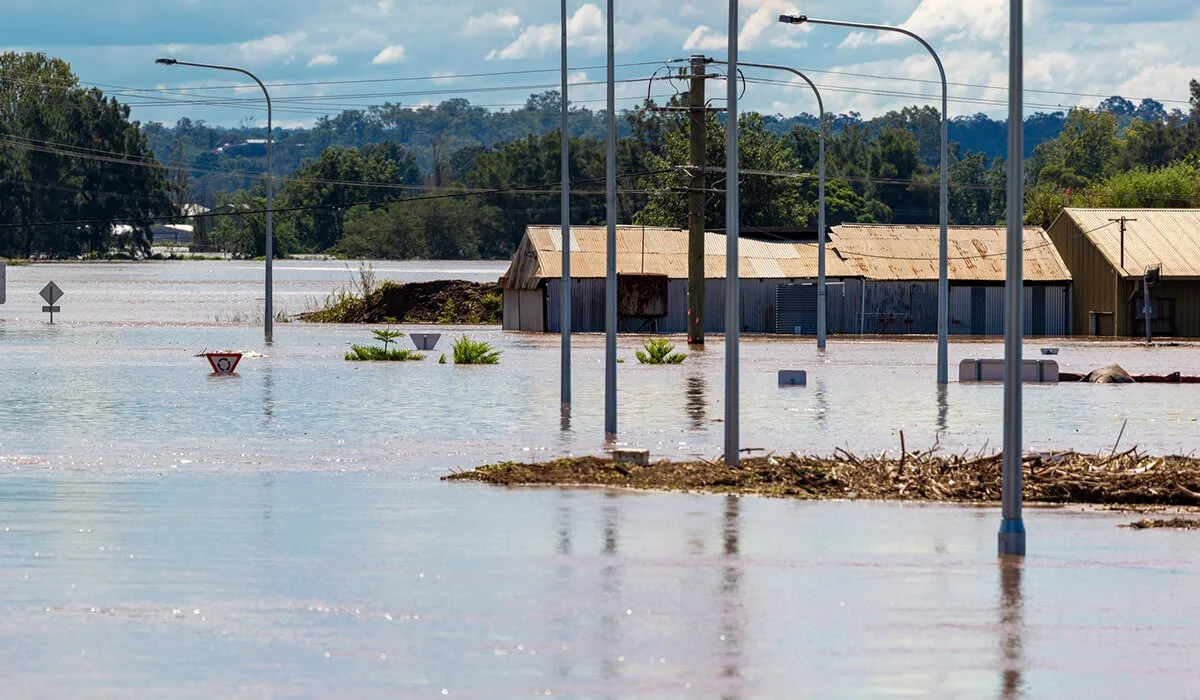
x=309 y=51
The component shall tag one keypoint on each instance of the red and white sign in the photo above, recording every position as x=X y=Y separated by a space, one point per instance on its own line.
x=224 y=362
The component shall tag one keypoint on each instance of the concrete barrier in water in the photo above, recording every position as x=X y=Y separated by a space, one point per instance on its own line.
x=793 y=377
x=1036 y=371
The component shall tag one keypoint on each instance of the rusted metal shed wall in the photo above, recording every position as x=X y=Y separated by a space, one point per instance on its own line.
x=843 y=303
x=1095 y=279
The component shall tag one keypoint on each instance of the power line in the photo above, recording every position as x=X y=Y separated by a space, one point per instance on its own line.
x=528 y=189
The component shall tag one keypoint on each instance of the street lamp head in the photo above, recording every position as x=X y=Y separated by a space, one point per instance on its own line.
x=793 y=19
x=166 y=61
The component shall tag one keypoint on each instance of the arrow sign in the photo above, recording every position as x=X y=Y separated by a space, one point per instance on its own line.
x=51 y=293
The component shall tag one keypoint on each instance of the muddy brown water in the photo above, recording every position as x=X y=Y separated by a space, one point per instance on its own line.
x=166 y=533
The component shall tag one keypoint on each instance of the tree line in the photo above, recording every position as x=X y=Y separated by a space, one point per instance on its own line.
x=72 y=164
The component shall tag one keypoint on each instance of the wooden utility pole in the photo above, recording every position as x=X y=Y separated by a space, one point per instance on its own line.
x=697 y=121
x=1123 y=220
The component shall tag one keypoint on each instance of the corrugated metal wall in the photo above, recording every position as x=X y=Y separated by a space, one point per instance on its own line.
x=757 y=297
x=524 y=310
x=1094 y=279
x=891 y=308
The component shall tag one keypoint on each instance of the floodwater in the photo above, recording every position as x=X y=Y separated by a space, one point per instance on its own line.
x=282 y=532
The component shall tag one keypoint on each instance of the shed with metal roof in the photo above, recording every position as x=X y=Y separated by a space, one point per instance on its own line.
x=899 y=266
x=778 y=292
x=1117 y=255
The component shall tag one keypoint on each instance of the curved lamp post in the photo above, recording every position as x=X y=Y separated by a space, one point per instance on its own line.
x=943 y=247
x=821 y=322
x=268 y=316
x=565 y=305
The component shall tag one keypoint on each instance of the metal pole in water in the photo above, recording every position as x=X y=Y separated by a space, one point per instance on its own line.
x=732 y=281
x=1012 y=527
x=610 y=288
x=565 y=312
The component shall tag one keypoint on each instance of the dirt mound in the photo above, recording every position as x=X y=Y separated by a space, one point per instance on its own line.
x=441 y=301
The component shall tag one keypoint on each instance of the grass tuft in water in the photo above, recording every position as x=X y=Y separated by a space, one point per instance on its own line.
x=474 y=352
x=372 y=353
x=659 y=351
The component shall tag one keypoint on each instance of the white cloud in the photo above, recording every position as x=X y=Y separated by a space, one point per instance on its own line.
x=360 y=39
x=703 y=38
x=949 y=20
x=323 y=59
x=392 y=54
x=445 y=77
x=586 y=29
x=275 y=47
x=491 y=23
x=762 y=22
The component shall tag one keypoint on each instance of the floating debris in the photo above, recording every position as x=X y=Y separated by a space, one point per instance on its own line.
x=1126 y=478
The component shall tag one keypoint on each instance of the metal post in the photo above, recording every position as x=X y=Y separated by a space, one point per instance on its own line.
x=697 y=124
x=944 y=208
x=1012 y=527
x=821 y=319
x=610 y=295
x=1146 y=305
x=268 y=306
x=565 y=312
x=732 y=220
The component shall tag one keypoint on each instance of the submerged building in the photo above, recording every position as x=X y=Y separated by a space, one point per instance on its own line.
x=899 y=266
x=880 y=280
x=1117 y=254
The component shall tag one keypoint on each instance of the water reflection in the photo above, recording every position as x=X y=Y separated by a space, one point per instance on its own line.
x=610 y=587
x=268 y=393
x=733 y=614
x=1012 y=628
x=564 y=621
x=943 y=412
x=697 y=401
x=564 y=418
x=822 y=398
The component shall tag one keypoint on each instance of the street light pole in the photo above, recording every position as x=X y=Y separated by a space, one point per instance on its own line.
x=821 y=320
x=1012 y=526
x=268 y=310
x=565 y=303
x=610 y=286
x=944 y=210
x=733 y=295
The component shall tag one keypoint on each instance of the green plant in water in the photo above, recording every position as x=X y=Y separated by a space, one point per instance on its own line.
x=361 y=353
x=442 y=359
x=474 y=352
x=386 y=336
x=659 y=351
x=368 y=353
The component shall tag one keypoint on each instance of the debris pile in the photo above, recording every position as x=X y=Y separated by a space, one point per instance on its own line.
x=1127 y=478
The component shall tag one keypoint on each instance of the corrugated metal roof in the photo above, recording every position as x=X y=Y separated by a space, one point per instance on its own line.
x=658 y=251
x=976 y=253
x=1169 y=238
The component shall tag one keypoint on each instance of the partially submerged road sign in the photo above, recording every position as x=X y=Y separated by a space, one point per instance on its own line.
x=51 y=293
x=223 y=362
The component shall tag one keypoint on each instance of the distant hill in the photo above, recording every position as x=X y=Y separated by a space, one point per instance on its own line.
x=230 y=158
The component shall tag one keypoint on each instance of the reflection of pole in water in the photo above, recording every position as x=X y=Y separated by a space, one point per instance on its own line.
x=1012 y=628
x=943 y=402
x=268 y=392
x=822 y=398
x=565 y=620
x=564 y=420
x=697 y=401
x=733 y=621
x=610 y=587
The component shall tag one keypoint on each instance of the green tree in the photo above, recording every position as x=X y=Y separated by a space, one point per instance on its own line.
x=771 y=191
x=71 y=155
